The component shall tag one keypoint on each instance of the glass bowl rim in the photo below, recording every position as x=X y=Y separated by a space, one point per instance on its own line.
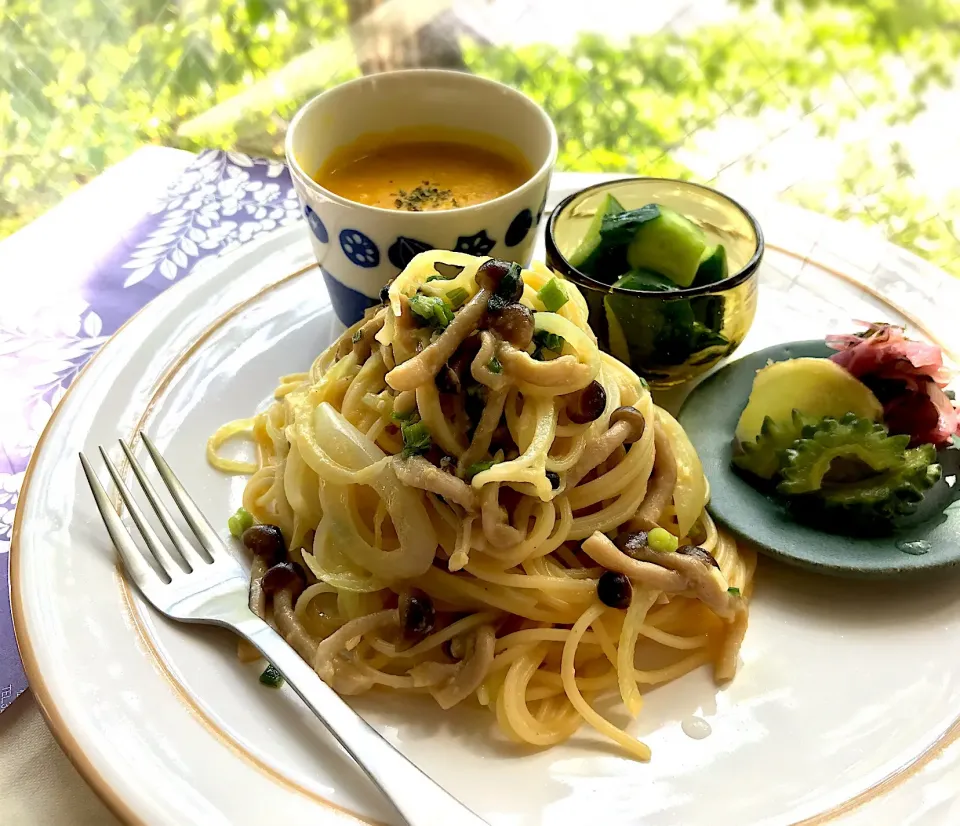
x=584 y=280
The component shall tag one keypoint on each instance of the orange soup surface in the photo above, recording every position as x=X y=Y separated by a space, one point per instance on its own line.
x=418 y=175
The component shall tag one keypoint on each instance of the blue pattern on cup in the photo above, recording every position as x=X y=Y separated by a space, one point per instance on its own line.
x=478 y=244
x=543 y=205
x=404 y=250
x=519 y=227
x=319 y=230
x=359 y=249
x=348 y=304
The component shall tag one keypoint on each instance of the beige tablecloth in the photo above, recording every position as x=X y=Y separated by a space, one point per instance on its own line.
x=38 y=785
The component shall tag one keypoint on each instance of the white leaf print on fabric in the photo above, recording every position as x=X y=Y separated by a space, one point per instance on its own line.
x=240 y=159
x=92 y=325
x=10 y=484
x=216 y=205
x=222 y=201
x=139 y=275
x=41 y=352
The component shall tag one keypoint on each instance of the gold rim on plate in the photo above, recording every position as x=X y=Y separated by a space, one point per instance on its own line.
x=98 y=782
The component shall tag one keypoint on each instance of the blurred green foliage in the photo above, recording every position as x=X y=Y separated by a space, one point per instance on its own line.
x=83 y=83
x=638 y=107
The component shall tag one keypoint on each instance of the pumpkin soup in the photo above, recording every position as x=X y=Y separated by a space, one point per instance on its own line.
x=418 y=175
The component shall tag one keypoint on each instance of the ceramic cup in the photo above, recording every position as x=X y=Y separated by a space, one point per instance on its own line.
x=359 y=247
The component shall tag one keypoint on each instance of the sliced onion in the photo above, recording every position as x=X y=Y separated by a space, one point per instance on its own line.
x=333 y=567
x=690 y=491
x=349 y=448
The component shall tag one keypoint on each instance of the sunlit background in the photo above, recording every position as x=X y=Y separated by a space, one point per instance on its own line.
x=847 y=107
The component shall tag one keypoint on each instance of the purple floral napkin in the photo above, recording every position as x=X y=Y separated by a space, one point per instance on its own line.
x=219 y=202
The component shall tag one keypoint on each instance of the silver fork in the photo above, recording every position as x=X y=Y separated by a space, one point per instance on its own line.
x=210 y=587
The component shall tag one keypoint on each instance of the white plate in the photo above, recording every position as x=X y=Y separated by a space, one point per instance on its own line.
x=845 y=707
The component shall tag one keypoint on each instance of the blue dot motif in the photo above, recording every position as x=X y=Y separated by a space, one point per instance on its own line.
x=519 y=227
x=479 y=244
x=359 y=249
x=316 y=225
x=543 y=205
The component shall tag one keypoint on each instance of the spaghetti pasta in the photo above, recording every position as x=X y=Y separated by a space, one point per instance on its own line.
x=453 y=478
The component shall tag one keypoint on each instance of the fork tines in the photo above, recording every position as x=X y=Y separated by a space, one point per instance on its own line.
x=169 y=565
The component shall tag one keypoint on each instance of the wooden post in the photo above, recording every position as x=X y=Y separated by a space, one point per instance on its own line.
x=386 y=41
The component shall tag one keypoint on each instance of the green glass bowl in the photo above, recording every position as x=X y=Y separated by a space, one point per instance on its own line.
x=666 y=337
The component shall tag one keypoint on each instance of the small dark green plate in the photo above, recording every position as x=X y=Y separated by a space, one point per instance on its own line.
x=710 y=415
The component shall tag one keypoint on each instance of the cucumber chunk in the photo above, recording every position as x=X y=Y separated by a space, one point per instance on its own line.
x=713 y=266
x=606 y=263
x=669 y=244
x=590 y=243
x=620 y=229
x=660 y=332
x=646 y=280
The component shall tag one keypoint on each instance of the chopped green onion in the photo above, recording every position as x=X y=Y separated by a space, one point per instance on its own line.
x=422 y=307
x=357 y=336
x=733 y=591
x=662 y=541
x=551 y=341
x=494 y=365
x=431 y=311
x=271 y=677
x=547 y=341
x=552 y=295
x=643 y=383
x=478 y=467
x=239 y=522
x=416 y=439
x=510 y=284
x=436 y=278
x=403 y=415
x=512 y=279
x=457 y=297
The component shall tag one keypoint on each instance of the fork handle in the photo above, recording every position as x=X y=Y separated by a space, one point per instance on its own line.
x=418 y=798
